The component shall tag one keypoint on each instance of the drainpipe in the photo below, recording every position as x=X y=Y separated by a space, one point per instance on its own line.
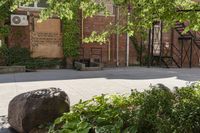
x=109 y=56
x=117 y=35
x=127 y=50
x=127 y=40
x=82 y=25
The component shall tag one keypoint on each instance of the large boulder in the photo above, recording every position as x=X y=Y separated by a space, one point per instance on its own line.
x=29 y=110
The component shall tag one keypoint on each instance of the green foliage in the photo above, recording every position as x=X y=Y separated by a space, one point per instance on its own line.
x=67 y=11
x=21 y=56
x=157 y=110
x=4 y=30
x=143 y=13
x=4 y=16
x=137 y=47
x=14 y=55
x=96 y=37
x=186 y=111
x=4 y=11
x=71 y=34
x=39 y=63
x=91 y=8
x=119 y=2
x=141 y=53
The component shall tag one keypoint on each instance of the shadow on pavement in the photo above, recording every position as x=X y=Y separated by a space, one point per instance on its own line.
x=115 y=73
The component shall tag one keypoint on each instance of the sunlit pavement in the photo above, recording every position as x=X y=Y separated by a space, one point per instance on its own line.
x=84 y=85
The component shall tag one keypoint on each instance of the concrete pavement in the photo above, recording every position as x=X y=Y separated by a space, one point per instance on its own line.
x=84 y=85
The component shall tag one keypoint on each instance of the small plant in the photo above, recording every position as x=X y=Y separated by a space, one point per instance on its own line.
x=157 y=110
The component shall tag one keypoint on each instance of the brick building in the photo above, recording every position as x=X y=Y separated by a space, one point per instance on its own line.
x=45 y=40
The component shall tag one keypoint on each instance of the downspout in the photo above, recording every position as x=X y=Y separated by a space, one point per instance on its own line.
x=127 y=50
x=117 y=35
x=127 y=40
x=82 y=34
x=82 y=24
x=109 y=53
x=161 y=43
x=149 y=48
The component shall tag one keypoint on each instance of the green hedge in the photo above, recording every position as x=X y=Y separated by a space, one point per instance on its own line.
x=40 y=63
x=21 y=56
x=14 y=55
x=157 y=110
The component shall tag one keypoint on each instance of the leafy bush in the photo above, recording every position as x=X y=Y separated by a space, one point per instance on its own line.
x=40 y=63
x=14 y=55
x=157 y=110
x=21 y=56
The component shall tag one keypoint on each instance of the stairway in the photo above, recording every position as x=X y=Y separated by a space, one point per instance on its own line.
x=181 y=55
x=193 y=37
x=166 y=60
x=184 y=54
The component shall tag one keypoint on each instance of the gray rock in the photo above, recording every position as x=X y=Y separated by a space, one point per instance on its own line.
x=29 y=110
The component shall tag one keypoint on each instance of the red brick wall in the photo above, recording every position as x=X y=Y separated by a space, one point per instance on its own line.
x=98 y=23
x=105 y=52
x=19 y=36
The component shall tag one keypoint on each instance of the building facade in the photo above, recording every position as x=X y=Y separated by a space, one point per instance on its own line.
x=45 y=41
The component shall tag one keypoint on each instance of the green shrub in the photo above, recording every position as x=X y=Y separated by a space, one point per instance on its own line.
x=21 y=56
x=40 y=63
x=186 y=111
x=14 y=55
x=157 y=110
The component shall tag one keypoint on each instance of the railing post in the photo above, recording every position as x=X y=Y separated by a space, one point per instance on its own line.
x=182 y=53
x=172 y=44
x=161 y=43
x=149 y=49
x=191 y=52
x=152 y=44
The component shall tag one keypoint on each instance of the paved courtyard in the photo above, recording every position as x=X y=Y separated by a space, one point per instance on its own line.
x=83 y=85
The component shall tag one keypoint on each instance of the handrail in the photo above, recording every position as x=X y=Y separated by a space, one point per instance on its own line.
x=195 y=36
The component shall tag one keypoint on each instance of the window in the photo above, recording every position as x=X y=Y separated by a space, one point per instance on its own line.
x=109 y=7
x=42 y=3
x=157 y=39
x=36 y=5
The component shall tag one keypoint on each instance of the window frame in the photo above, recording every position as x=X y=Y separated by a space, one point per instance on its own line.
x=107 y=6
x=107 y=3
x=35 y=7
